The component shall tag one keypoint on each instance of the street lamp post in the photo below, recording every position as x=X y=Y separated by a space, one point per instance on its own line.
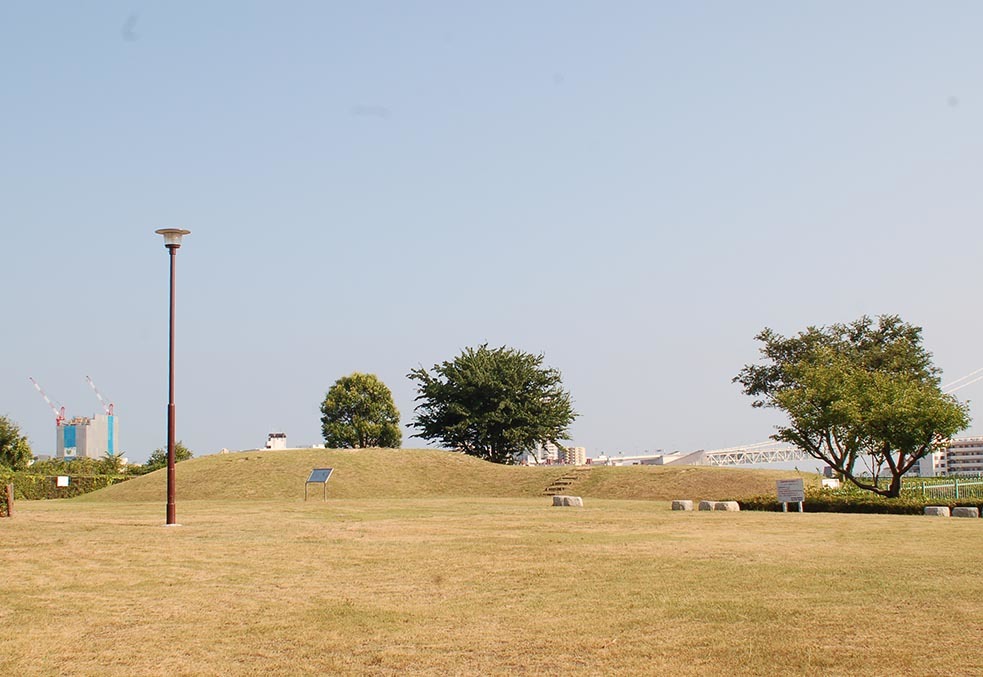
x=172 y=240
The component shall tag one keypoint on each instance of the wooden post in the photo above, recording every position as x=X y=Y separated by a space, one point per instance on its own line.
x=10 y=500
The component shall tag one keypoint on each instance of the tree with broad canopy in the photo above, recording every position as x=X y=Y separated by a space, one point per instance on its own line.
x=864 y=392
x=493 y=403
x=358 y=412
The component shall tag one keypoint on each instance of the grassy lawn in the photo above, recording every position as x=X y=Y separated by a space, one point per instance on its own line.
x=438 y=585
x=428 y=473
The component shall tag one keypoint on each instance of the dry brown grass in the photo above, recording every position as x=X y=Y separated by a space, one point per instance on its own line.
x=665 y=483
x=484 y=586
x=422 y=473
x=362 y=473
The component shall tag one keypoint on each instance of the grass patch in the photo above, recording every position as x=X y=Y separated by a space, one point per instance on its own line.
x=468 y=585
x=426 y=473
x=666 y=483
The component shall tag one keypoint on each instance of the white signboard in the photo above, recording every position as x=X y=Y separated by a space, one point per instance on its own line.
x=791 y=491
x=61 y=481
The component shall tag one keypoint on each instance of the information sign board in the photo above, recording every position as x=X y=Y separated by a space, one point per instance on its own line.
x=319 y=476
x=791 y=491
x=62 y=481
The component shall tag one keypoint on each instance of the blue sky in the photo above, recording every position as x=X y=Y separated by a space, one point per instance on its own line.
x=634 y=189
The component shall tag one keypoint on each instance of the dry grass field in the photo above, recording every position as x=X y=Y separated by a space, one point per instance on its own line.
x=428 y=473
x=482 y=585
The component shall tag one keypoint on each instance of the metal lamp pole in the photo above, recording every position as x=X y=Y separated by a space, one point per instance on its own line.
x=172 y=241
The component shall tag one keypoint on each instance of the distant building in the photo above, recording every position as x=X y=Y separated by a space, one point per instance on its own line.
x=276 y=441
x=653 y=458
x=574 y=456
x=965 y=456
x=543 y=454
x=962 y=456
x=553 y=454
x=83 y=437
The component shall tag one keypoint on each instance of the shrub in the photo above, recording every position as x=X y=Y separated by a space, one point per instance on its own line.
x=5 y=479
x=856 y=502
x=33 y=487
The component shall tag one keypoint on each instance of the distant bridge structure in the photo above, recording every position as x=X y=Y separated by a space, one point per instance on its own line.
x=750 y=454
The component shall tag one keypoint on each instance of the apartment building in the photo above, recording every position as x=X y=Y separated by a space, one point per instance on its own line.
x=962 y=456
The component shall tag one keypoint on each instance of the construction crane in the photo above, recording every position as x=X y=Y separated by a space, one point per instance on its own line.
x=108 y=408
x=59 y=413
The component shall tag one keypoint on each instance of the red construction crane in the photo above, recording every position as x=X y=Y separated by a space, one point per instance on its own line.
x=59 y=413
x=108 y=408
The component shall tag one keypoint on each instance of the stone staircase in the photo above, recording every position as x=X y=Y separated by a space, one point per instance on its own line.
x=564 y=483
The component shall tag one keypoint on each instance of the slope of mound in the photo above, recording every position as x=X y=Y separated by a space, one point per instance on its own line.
x=409 y=473
x=362 y=473
x=666 y=483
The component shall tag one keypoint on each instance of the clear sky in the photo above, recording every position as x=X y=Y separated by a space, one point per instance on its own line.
x=634 y=189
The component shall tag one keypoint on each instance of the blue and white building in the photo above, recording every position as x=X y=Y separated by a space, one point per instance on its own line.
x=83 y=437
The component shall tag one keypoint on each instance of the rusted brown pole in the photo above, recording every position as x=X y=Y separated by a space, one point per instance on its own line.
x=171 y=506
x=172 y=240
x=10 y=500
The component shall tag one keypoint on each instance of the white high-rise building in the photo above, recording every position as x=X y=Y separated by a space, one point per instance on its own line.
x=550 y=454
x=575 y=456
x=84 y=437
x=544 y=454
x=962 y=456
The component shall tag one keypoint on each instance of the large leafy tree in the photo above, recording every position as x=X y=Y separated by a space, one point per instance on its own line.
x=493 y=403
x=862 y=393
x=15 y=452
x=358 y=412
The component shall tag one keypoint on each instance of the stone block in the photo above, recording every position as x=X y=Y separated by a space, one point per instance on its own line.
x=706 y=505
x=682 y=505
x=568 y=501
x=937 y=510
x=727 y=506
x=965 y=512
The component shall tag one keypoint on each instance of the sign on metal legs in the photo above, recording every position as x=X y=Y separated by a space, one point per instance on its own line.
x=791 y=491
x=319 y=476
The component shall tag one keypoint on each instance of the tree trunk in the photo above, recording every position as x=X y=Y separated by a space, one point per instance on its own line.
x=894 y=490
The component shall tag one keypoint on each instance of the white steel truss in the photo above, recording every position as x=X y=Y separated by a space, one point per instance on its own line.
x=753 y=453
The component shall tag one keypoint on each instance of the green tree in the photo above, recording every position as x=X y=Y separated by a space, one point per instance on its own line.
x=492 y=403
x=15 y=452
x=158 y=459
x=865 y=392
x=69 y=466
x=358 y=412
x=112 y=464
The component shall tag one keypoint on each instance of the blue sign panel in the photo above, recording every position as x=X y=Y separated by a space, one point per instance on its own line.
x=320 y=475
x=69 y=436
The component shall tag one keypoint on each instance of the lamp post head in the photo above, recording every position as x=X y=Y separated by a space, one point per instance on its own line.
x=172 y=236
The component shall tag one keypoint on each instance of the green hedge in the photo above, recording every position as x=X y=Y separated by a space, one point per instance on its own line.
x=31 y=487
x=827 y=501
